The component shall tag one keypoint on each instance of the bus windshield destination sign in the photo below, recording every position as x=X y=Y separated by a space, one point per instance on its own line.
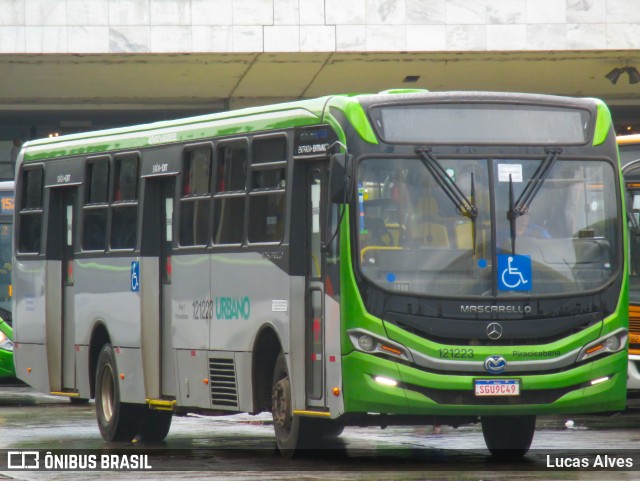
x=6 y=204
x=314 y=141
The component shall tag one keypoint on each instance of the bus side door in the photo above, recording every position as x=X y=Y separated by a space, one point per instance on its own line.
x=60 y=290
x=157 y=236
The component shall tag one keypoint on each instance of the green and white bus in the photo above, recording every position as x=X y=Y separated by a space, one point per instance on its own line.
x=7 y=369
x=399 y=258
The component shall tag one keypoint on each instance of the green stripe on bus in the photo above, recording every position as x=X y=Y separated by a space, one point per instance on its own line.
x=603 y=123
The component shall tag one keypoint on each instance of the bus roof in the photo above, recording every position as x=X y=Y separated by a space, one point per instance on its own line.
x=255 y=119
x=305 y=112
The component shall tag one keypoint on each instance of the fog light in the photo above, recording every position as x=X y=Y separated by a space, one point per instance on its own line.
x=599 y=380
x=386 y=381
x=366 y=343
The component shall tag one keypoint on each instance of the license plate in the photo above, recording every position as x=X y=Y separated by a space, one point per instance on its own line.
x=497 y=387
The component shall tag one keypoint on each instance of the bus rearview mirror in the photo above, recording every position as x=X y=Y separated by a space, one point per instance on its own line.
x=339 y=177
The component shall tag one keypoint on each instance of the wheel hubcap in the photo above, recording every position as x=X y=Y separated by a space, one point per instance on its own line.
x=281 y=404
x=107 y=398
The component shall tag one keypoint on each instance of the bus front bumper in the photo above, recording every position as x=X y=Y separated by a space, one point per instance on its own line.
x=376 y=385
x=7 y=368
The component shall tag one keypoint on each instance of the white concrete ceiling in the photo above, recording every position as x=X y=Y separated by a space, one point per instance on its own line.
x=77 y=87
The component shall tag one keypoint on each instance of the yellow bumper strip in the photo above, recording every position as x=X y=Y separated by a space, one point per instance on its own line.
x=65 y=394
x=161 y=404
x=316 y=414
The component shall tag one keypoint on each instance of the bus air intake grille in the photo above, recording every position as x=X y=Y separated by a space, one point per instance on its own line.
x=517 y=332
x=467 y=398
x=223 y=382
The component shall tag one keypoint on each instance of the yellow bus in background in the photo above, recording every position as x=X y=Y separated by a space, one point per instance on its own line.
x=629 y=146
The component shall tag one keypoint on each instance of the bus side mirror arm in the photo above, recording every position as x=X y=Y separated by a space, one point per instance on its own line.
x=339 y=191
x=340 y=178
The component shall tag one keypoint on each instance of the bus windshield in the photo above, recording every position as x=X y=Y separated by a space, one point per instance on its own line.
x=412 y=238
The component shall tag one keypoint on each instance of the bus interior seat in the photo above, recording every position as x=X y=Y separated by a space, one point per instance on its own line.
x=464 y=235
x=380 y=233
x=430 y=229
x=432 y=234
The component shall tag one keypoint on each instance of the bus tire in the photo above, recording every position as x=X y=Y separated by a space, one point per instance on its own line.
x=293 y=433
x=508 y=436
x=155 y=426
x=78 y=400
x=326 y=428
x=117 y=421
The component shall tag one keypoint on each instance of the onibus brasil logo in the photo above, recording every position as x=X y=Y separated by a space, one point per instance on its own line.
x=34 y=461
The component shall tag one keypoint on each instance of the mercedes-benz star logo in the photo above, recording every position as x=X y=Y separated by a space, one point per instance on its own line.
x=494 y=331
x=495 y=364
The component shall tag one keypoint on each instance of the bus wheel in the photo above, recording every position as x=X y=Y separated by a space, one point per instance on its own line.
x=78 y=400
x=291 y=431
x=326 y=428
x=155 y=426
x=508 y=436
x=117 y=421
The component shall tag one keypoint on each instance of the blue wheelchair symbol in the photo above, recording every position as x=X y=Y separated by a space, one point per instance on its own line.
x=135 y=276
x=514 y=272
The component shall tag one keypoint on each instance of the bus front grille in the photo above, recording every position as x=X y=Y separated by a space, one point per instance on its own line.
x=223 y=383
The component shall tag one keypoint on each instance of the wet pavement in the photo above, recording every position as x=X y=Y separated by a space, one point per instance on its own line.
x=242 y=447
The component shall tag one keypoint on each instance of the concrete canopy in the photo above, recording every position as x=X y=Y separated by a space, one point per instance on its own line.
x=87 y=88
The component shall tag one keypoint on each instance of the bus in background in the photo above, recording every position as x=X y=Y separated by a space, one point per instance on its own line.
x=7 y=369
x=629 y=147
x=394 y=258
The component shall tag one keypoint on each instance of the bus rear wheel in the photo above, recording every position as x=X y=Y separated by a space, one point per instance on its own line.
x=293 y=433
x=508 y=436
x=117 y=421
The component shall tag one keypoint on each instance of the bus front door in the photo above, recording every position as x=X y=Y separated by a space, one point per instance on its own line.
x=315 y=316
x=323 y=361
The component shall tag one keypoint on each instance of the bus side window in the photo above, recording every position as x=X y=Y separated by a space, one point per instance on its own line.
x=94 y=224
x=267 y=194
x=124 y=210
x=195 y=200
x=229 y=200
x=31 y=211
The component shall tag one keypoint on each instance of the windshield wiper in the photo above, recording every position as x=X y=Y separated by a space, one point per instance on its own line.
x=521 y=206
x=463 y=205
x=511 y=215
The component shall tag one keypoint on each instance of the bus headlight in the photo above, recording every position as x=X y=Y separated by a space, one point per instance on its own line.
x=5 y=342
x=370 y=343
x=613 y=342
x=366 y=342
